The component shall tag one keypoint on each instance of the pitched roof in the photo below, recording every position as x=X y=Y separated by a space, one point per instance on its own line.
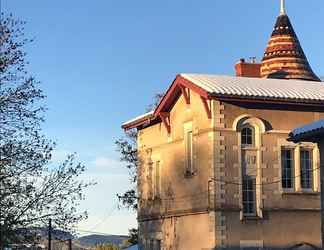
x=294 y=90
x=308 y=132
x=141 y=118
x=232 y=88
x=284 y=57
x=318 y=125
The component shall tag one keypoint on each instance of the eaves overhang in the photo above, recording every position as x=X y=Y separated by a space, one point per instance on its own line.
x=232 y=89
x=313 y=132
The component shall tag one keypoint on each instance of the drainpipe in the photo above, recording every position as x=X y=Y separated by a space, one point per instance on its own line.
x=321 y=149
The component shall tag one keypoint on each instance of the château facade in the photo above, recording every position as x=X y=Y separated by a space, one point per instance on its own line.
x=216 y=169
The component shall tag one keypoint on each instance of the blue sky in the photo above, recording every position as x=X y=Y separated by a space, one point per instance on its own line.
x=101 y=62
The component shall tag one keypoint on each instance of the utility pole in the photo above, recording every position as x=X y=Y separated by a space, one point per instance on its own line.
x=50 y=234
x=70 y=244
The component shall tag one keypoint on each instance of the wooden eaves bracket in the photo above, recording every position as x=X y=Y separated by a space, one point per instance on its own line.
x=165 y=117
x=207 y=105
x=186 y=94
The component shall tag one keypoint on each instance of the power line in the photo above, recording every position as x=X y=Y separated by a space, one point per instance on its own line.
x=110 y=213
x=190 y=196
x=92 y=232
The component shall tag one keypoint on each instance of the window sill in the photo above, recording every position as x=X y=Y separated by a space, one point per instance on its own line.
x=302 y=192
x=251 y=218
x=248 y=147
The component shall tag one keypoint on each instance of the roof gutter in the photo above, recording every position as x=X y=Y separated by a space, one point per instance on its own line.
x=269 y=100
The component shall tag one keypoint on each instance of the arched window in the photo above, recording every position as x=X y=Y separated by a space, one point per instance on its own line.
x=247 y=136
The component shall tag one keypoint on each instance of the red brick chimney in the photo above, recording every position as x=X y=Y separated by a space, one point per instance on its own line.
x=245 y=69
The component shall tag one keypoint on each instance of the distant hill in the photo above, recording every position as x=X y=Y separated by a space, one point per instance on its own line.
x=81 y=243
x=93 y=240
x=43 y=233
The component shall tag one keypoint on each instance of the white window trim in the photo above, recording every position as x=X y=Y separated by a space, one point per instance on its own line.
x=154 y=159
x=189 y=167
x=297 y=175
x=157 y=187
x=292 y=148
x=259 y=128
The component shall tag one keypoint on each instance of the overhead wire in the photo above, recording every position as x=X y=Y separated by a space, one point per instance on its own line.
x=109 y=214
x=92 y=232
x=183 y=198
x=190 y=196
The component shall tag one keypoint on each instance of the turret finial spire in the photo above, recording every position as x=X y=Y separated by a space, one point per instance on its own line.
x=283 y=7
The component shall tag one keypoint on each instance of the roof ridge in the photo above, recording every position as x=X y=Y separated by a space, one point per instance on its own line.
x=254 y=78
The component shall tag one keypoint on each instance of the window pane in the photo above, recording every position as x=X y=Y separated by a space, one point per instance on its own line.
x=247 y=136
x=249 y=196
x=157 y=179
x=151 y=244
x=306 y=169
x=287 y=167
x=158 y=245
x=189 y=152
x=151 y=181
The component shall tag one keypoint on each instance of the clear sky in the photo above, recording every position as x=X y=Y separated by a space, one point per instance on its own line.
x=101 y=61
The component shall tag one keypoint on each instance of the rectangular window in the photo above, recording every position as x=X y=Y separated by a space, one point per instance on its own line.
x=249 y=196
x=151 y=244
x=189 y=152
x=150 y=181
x=287 y=168
x=157 y=179
x=306 y=168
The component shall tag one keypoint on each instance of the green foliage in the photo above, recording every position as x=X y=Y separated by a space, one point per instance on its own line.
x=127 y=147
x=128 y=150
x=32 y=190
x=133 y=236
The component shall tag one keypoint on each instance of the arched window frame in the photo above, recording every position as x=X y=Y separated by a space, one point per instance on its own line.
x=258 y=127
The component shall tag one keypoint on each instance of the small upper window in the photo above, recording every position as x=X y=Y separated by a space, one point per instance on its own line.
x=157 y=186
x=247 y=136
x=189 y=152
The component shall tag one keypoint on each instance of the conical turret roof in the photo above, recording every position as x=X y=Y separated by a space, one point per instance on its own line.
x=284 y=57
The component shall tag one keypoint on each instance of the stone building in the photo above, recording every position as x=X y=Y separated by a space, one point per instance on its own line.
x=216 y=168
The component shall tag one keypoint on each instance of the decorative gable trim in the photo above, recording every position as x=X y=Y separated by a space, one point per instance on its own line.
x=234 y=89
x=178 y=88
x=165 y=117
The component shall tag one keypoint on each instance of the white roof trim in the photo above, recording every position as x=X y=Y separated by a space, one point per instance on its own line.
x=138 y=118
x=259 y=87
x=262 y=88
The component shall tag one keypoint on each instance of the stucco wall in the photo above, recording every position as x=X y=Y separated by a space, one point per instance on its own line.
x=184 y=199
x=196 y=213
x=288 y=218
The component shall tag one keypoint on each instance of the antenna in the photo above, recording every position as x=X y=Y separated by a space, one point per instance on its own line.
x=283 y=7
